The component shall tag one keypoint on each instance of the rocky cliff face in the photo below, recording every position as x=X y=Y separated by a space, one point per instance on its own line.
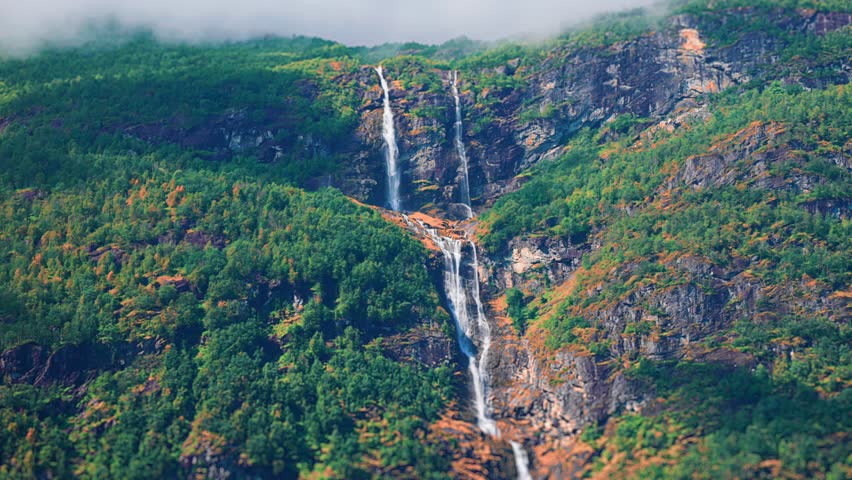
x=70 y=365
x=572 y=89
x=551 y=396
x=659 y=79
x=515 y=114
x=548 y=397
x=649 y=77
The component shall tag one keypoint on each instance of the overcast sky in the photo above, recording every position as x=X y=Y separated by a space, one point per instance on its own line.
x=27 y=24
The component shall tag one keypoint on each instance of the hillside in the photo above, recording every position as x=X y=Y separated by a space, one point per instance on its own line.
x=201 y=277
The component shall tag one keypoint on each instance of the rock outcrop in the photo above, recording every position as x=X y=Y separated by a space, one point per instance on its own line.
x=425 y=344
x=508 y=129
x=551 y=395
x=515 y=114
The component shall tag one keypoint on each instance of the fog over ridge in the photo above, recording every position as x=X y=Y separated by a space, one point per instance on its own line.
x=26 y=25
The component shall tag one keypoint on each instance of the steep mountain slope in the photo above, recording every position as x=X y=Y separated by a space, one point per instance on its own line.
x=199 y=323
x=663 y=209
x=725 y=260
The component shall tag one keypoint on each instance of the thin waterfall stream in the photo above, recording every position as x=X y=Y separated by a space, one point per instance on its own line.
x=391 y=149
x=522 y=461
x=459 y=141
x=521 y=458
x=461 y=274
x=461 y=285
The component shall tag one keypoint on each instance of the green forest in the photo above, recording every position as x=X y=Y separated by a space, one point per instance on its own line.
x=788 y=411
x=233 y=317
x=203 y=270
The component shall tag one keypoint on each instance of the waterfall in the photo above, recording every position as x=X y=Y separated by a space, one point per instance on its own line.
x=461 y=284
x=522 y=461
x=459 y=141
x=461 y=281
x=391 y=150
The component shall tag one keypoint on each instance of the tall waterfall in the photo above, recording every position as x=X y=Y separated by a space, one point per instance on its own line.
x=461 y=281
x=461 y=285
x=391 y=150
x=459 y=141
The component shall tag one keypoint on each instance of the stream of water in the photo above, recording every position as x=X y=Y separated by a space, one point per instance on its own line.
x=461 y=284
x=461 y=278
x=391 y=149
x=522 y=461
x=459 y=142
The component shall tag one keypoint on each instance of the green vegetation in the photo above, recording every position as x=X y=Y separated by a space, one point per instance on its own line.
x=102 y=98
x=209 y=266
x=734 y=423
x=519 y=312
x=714 y=421
x=231 y=319
x=701 y=7
x=652 y=198
x=593 y=183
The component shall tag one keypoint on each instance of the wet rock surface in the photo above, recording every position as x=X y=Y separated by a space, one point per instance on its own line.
x=426 y=344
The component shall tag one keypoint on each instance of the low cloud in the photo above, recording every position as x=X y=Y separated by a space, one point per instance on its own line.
x=26 y=25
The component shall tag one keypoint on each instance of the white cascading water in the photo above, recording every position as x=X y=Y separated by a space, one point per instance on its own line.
x=471 y=323
x=391 y=149
x=463 y=291
x=459 y=141
x=522 y=461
